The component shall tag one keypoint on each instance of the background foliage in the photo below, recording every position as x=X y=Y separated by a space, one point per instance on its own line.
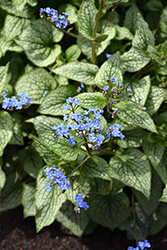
x=126 y=185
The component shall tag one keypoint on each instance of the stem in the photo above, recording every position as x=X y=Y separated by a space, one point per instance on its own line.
x=98 y=18
x=148 y=67
x=72 y=34
x=78 y=166
x=108 y=20
x=110 y=15
x=95 y=31
x=93 y=52
x=88 y=149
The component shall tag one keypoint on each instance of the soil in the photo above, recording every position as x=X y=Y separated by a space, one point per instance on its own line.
x=17 y=233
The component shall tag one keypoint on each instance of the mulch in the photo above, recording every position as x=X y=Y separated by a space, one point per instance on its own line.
x=17 y=233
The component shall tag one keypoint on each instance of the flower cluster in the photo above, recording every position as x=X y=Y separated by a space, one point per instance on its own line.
x=13 y=102
x=58 y=178
x=113 y=90
x=142 y=245
x=80 y=202
x=86 y=125
x=115 y=131
x=60 y=20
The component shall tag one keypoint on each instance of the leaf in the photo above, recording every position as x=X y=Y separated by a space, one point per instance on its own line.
x=17 y=138
x=97 y=167
x=7 y=5
x=164 y=195
x=161 y=118
x=71 y=10
x=88 y=100
x=122 y=33
x=33 y=3
x=134 y=60
x=150 y=205
x=162 y=69
x=55 y=100
x=28 y=200
x=133 y=138
x=110 y=32
x=6 y=130
x=152 y=18
x=31 y=161
x=143 y=35
x=47 y=203
x=110 y=2
x=109 y=69
x=154 y=151
x=134 y=170
x=101 y=38
x=131 y=18
x=9 y=46
x=163 y=20
x=154 y=5
x=161 y=168
x=13 y=26
x=100 y=186
x=3 y=76
x=44 y=123
x=37 y=41
x=60 y=147
x=107 y=210
x=78 y=71
x=47 y=155
x=2 y=176
x=72 y=53
x=154 y=55
x=155 y=98
x=140 y=88
x=159 y=219
x=133 y=115
x=35 y=83
x=19 y=4
x=74 y=221
x=11 y=193
x=87 y=19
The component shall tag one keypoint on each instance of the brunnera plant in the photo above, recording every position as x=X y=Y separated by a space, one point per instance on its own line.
x=83 y=122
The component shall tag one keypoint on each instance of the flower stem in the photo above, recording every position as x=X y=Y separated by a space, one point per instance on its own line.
x=78 y=166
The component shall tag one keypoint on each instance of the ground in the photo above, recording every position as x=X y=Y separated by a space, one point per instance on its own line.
x=17 y=233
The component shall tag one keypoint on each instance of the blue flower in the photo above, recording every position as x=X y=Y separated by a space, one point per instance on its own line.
x=108 y=55
x=48 y=187
x=113 y=80
x=71 y=140
x=4 y=94
x=82 y=85
x=129 y=90
x=66 y=107
x=80 y=202
x=106 y=87
x=65 y=118
x=76 y=102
